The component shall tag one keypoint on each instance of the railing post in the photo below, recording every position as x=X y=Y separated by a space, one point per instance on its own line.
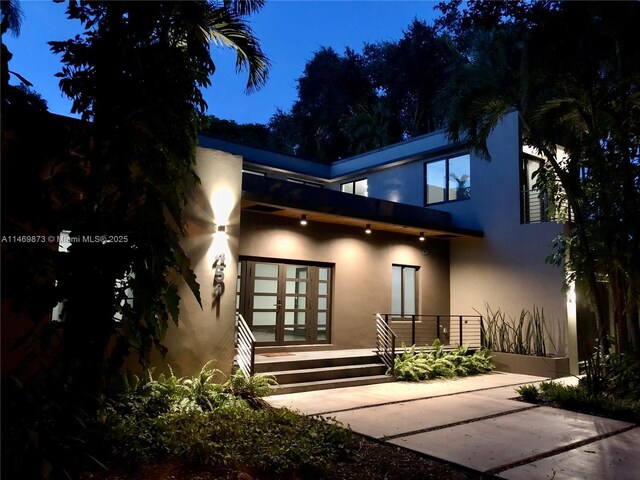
x=245 y=346
x=253 y=358
x=393 y=354
x=460 y=330
x=413 y=329
x=438 y=327
x=386 y=344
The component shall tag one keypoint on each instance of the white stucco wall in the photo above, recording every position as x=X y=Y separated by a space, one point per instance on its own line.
x=207 y=333
x=507 y=267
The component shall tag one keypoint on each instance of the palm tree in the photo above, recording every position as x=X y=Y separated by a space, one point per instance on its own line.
x=462 y=189
x=368 y=129
x=581 y=93
x=11 y=21
x=11 y=16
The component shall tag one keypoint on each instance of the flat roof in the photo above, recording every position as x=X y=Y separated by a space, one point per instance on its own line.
x=405 y=151
x=278 y=197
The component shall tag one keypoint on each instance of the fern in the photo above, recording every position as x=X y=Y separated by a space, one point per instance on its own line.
x=435 y=362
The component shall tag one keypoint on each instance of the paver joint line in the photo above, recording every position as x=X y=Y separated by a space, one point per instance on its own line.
x=394 y=402
x=461 y=422
x=556 y=451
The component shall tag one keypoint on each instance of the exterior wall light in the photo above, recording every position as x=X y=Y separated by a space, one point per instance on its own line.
x=303 y=220
x=421 y=237
x=222 y=228
x=367 y=229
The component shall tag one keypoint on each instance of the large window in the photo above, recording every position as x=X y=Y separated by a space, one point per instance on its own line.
x=448 y=179
x=359 y=187
x=404 y=284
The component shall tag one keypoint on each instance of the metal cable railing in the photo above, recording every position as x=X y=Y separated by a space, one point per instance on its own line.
x=386 y=345
x=536 y=208
x=535 y=205
x=451 y=330
x=245 y=346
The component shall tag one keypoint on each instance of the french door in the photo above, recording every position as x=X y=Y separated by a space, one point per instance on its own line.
x=285 y=304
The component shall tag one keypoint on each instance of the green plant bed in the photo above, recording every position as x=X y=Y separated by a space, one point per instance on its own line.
x=192 y=420
x=578 y=399
x=227 y=425
x=526 y=335
x=269 y=440
x=414 y=365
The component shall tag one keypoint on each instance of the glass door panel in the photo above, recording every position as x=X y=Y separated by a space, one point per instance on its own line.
x=264 y=302
x=264 y=326
x=295 y=304
x=295 y=327
x=321 y=327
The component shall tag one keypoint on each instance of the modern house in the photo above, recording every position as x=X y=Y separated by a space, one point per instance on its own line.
x=309 y=253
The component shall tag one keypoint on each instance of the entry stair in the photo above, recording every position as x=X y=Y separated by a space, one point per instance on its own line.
x=303 y=371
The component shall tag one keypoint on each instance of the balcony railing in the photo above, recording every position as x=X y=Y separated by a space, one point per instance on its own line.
x=386 y=345
x=422 y=330
x=535 y=206
x=536 y=209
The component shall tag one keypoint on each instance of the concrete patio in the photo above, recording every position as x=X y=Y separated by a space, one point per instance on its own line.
x=475 y=422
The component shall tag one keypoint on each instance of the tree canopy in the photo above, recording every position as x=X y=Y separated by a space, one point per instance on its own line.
x=572 y=73
x=353 y=102
x=569 y=69
x=122 y=174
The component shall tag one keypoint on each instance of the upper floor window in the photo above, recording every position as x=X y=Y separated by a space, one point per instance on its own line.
x=535 y=202
x=359 y=187
x=536 y=197
x=448 y=179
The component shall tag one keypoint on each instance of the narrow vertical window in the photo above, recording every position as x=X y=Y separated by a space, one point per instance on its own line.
x=535 y=202
x=436 y=178
x=404 y=298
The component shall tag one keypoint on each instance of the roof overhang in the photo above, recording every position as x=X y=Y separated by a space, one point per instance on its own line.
x=287 y=199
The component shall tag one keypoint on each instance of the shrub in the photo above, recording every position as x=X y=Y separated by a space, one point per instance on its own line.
x=199 y=421
x=151 y=397
x=577 y=398
x=231 y=434
x=612 y=374
x=526 y=336
x=193 y=419
x=528 y=393
x=416 y=365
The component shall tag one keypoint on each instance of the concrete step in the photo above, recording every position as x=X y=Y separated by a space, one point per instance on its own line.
x=278 y=364
x=303 y=375
x=336 y=383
